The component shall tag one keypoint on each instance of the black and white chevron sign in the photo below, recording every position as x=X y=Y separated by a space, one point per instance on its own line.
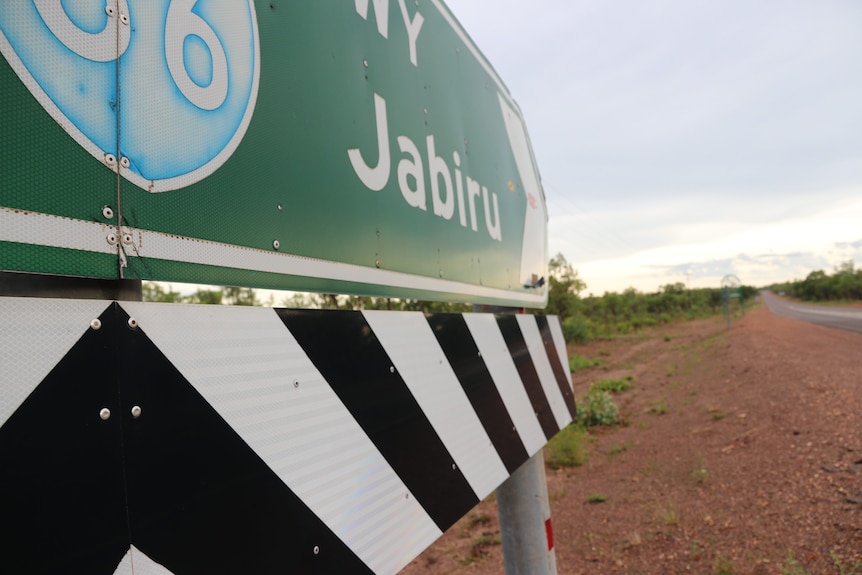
x=163 y=438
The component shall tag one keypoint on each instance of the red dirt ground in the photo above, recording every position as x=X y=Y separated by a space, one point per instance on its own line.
x=741 y=453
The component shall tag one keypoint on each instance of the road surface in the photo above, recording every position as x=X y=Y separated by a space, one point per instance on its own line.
x=849 y=319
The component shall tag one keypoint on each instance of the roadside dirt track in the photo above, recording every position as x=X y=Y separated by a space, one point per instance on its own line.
x=741 y=453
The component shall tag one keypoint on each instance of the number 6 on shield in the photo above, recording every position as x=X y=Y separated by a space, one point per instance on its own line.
x=182 y=23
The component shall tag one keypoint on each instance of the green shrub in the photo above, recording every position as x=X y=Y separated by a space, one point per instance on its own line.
x=597 y=407
x=577 y=329
x=567 y=448
x=577 y=362
x=612 y=385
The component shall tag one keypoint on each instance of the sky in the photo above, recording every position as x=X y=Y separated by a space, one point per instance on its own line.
x=681 y=140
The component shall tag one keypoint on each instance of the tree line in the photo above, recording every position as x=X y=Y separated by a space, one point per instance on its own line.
x=582 y=318
x=844 y=284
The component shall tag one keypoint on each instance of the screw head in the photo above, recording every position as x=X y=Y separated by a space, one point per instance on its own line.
x=96 y=324
x=133 y=323
x=105 y=414
x=109 y=10
x=124 y=161
x=136 y=411
x=124 y=18
x=112 y=239
x=391 y=369
x=316 y=550
x=110 y=159
x=276 y=244
x=108 y=212
x=127 y=238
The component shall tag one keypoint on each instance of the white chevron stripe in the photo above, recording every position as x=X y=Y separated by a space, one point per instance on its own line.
x=560 y=343
x=410 y=343
x=499 y=362
x=245 y=363
x=35 y=334
x=135 y=562
x=533 y=337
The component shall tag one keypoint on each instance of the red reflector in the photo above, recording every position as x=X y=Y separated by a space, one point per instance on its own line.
x=549 y=533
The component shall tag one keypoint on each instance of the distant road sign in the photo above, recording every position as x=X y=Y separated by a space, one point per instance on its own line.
x=357 y=147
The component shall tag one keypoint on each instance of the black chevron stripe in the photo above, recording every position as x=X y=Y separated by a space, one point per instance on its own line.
x=61 y=476
x=200 y=499
x=197 y=499
x=349 y=356
x=530 y=378
x=457 y=342
x=556 y=364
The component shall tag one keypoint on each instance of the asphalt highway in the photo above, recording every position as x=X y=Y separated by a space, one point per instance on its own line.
x=837 y=317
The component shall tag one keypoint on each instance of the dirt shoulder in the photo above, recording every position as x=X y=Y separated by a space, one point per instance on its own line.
x=741 y=453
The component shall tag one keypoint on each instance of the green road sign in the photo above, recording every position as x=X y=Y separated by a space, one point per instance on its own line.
x=359 y=146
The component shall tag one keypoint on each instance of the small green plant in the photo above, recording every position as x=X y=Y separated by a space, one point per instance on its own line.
x=618 y=449
x=568 y=448
x=597 y=407
x=597 y=498
x=478 y=519
x=700 y=473
x=612 y=385
x=792 y=566
x=722 y=566
x=659 y=407
x=667 y=338
x=840 y=565
x=578 y=362
x=718 y=416
x=668 y=514
x=480 y=546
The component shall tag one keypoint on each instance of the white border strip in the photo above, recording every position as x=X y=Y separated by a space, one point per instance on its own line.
x=25 y=227
x=47 y=230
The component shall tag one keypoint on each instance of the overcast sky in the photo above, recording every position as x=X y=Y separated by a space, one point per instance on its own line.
x=674 y=136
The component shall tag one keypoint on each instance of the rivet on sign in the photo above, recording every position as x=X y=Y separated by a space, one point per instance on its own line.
x=425 y=110
x=96 y=323
x=479 y=354
x=127 y=238
x=133 y=323
x=124 y=161
x=454 y=466
x=136 y=411
x=112 y=239
x=110 y=159
x=296 y=383
x=365 y=63
x=276 y=244
x=280 y=207
x=109 y=10
x=316 y=550
x=377 y=263
x=124 y=18
x=105 y=414
x=108 y=212
x=391 y=369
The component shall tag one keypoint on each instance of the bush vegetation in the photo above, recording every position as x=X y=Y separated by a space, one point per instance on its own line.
x=614 y=314
x=844 y=284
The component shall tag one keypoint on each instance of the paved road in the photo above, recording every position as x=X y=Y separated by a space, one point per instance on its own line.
x=837 y=317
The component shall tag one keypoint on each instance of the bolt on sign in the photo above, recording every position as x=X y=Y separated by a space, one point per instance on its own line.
x=359 y=146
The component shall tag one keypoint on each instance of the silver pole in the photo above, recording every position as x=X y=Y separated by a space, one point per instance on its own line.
x=525 y=521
